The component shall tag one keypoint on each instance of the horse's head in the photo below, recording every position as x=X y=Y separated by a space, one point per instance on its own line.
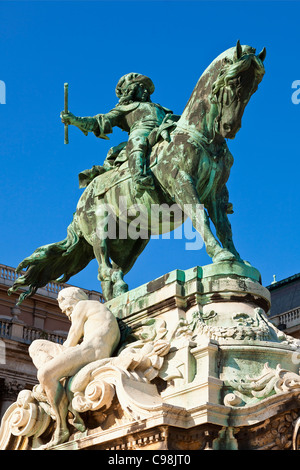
x=236 y=83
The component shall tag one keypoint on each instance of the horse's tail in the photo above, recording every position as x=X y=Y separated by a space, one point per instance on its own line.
x=55 y=262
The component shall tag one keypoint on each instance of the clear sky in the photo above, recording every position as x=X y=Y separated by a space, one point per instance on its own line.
x=90 y=45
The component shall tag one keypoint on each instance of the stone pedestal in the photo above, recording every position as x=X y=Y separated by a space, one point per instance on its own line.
x=227 y=380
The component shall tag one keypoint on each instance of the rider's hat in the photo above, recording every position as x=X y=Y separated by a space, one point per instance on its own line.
x=130 y=78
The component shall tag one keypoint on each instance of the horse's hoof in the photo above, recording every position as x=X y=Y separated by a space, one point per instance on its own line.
x=224 y=255
x=120 y=288
x=107 y=289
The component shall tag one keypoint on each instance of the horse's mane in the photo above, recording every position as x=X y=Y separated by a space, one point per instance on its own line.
x=233 y=69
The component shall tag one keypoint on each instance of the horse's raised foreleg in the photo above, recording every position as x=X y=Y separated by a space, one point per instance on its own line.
x=187 y=198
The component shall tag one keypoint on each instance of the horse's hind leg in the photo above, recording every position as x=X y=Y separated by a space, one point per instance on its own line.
x=124 y=254
x=101 y=252
x=109 y=274
x=119 y=285
x=115 y=257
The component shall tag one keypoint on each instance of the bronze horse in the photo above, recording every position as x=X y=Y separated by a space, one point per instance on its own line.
x=190 y=169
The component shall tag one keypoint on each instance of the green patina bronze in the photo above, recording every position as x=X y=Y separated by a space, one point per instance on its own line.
x=168 y=159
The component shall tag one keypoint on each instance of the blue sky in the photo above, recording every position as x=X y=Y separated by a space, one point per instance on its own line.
x=91 y=45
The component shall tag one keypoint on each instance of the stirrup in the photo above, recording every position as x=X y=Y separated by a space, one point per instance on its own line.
x=144 y=182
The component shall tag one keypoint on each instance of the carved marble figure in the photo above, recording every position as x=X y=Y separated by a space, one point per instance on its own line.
x=94 y=334
x=95 y=363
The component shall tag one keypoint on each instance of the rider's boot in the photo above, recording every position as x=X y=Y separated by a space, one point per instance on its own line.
x=142 y=177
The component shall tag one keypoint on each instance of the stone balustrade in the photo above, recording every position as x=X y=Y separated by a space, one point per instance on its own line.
x=8 y=276
x=13 y=328
x=10 y=329
x=287 y=320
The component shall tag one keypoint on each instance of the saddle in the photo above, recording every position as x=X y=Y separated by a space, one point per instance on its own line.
x=117 y=155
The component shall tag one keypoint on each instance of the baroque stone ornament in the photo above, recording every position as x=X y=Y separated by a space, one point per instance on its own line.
x=128 y=376
x=268 y=383
x=168 y=161
x=24 y=419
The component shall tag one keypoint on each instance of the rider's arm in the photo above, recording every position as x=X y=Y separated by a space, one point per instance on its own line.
x=100 y=125
x=105 y=123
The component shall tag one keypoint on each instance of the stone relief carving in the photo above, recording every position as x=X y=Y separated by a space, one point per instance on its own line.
x=243 y=326
x=269 y=382
x=272 y=434
x=133 y=369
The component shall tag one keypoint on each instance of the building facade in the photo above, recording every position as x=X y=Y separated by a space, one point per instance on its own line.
x=285 y=306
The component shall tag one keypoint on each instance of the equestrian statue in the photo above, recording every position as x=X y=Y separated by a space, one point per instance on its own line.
x=168 y=160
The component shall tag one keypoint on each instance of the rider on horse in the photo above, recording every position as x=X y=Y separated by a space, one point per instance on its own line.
x=135 y=114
